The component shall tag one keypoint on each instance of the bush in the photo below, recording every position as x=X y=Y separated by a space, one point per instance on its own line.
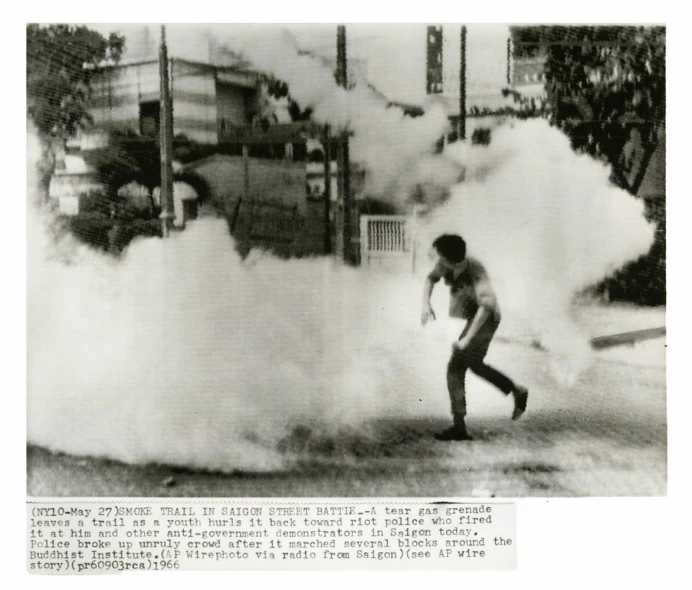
x=91 y=229
x=124 y=232
x=481 y=136
x=110 y=235
x=95 y=203
x=642 y=281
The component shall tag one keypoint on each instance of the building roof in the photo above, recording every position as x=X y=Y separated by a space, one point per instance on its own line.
x=277 y=133
x=221 y=69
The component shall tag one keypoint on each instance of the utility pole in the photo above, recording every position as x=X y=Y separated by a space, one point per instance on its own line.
x=343 y=212
x=166 y=139
x=434 y=82
x=462 y=86
x=326 y=148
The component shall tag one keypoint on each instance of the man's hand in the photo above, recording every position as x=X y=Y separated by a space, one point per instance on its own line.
x=460 y=345
x=427 y=314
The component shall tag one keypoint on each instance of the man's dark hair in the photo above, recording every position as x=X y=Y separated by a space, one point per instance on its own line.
x=451 y=246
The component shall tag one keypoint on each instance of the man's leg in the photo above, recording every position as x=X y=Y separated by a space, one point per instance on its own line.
x=504 y=384
x=493 y=376
x=456 y=377
x=477 y=351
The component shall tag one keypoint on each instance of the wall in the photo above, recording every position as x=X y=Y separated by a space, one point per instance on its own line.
x=73 y=185
x=278 y=180
x=231 y=105
x=116 y=96
x=281 y=181
x=119 y=91
x=276 y=213
x=223 y=174
x=194 y=103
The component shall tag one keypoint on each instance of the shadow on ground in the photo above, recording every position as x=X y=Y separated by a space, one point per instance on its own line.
x=545 y=454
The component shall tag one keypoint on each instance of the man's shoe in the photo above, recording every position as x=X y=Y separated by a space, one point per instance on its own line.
x=521 y=396
x=453 y=433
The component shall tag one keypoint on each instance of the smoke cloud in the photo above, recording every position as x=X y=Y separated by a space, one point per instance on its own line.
x=547 y=223
x=183 y=353
x=388 y=144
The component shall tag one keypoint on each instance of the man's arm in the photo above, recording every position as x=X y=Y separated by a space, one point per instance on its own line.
x=487 y=305
x=477 y=322
x=427 y=313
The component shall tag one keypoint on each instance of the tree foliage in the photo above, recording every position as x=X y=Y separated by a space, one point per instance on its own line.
x=59 y=68
x=279 y=89
x=601 y=83
x=126 y=158
x=606 y=89
x=131 y=158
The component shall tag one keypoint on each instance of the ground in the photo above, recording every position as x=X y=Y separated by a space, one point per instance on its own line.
x=606 y=436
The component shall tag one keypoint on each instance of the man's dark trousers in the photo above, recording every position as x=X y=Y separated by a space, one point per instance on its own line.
x=472 y=358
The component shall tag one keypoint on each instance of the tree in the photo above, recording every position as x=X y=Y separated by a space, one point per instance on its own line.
x=606 y=89
x=127 y=158
x=61 y=62
x=279 y=89
x=603 y=83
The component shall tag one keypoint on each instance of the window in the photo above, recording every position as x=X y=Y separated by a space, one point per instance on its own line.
x=149 y=118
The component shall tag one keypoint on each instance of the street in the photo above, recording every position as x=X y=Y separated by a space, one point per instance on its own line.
x=605 y=436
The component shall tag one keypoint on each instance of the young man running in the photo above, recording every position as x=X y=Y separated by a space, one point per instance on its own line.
x=471 y=298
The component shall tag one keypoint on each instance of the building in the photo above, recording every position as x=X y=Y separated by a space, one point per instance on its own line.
x=228 y=137
x=209 y=103
x=496 y=81
x=216 y=109
x=207 y=99
x=527 y=75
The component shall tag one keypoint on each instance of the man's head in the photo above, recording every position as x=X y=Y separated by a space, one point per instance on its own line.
x=451 y=247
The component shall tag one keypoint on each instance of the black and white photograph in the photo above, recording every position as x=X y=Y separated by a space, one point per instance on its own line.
x=346 y=260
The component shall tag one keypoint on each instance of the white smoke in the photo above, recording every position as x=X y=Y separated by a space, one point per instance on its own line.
x=387 y=143
x=183 y=353
x=548 y=223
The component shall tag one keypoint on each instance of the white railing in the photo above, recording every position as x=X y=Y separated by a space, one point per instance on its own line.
x=388 y=241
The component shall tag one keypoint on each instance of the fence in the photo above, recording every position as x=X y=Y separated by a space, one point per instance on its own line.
x=283 y=229
x=388 y=242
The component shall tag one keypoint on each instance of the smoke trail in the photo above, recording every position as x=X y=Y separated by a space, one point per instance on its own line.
x=547 y=222
x=387 y=143
x=183 y=353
